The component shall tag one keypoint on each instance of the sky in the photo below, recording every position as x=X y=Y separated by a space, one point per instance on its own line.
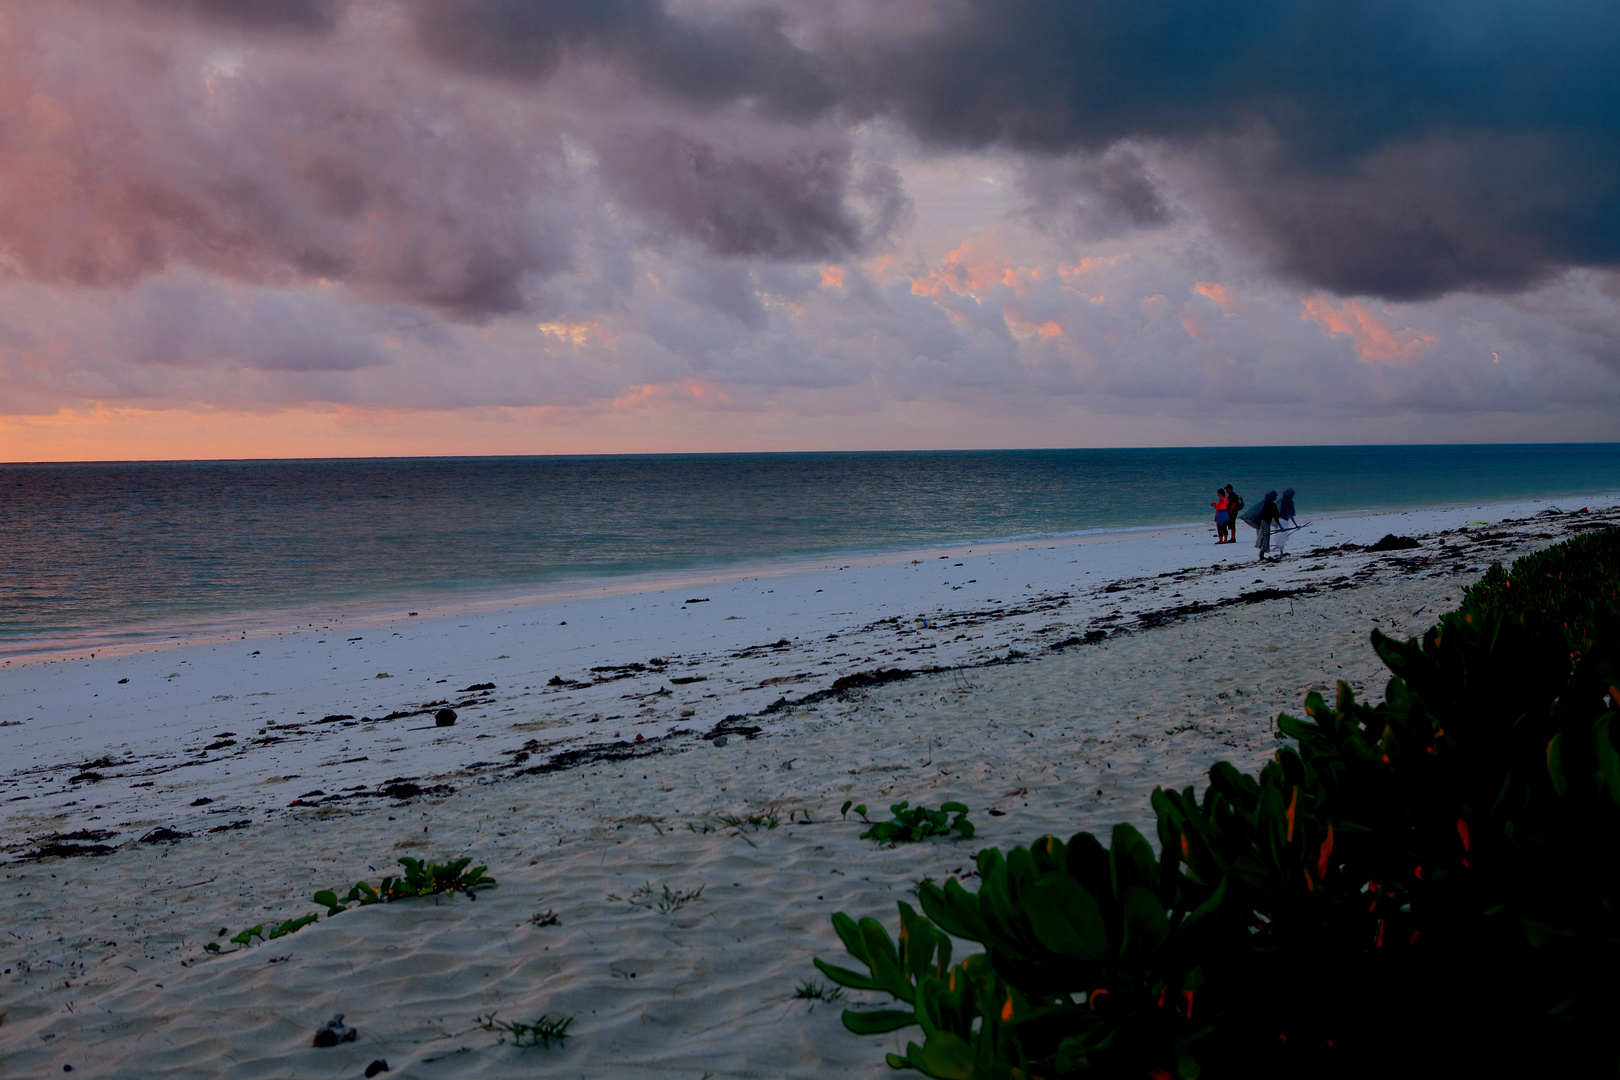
x=309 y=228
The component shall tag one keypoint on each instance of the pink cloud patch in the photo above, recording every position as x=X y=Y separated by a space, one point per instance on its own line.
x=1220 y=294
x=1369 y=332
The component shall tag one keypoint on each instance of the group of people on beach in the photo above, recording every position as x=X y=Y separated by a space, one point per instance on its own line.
x=1270 y=517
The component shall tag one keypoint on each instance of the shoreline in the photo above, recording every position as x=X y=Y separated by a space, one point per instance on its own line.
x=460 y=602
x=1006 y=706
x=564 y=666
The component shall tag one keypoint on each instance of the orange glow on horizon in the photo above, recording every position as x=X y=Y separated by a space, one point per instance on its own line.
x=677 y=417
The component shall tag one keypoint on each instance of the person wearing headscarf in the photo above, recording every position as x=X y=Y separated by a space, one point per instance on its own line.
x=1261 y=518
x=1285 y=513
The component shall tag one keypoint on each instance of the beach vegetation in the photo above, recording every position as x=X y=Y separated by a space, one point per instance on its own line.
x=245 y=938
x=812 y=991
x=1434 y=876
x=542 y=1033
x=912 y=823
x=664 y=900
x=419 y=879
x=766 y=820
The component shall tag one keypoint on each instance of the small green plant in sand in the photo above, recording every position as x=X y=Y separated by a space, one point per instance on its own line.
x=543 y=1032
x=767 y=820
x=245 y=938
x=813 y=992
x=912 y=823
x=664 y=899
x=419 y=879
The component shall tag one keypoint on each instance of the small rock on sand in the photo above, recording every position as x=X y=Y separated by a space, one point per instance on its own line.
x=335 y=1031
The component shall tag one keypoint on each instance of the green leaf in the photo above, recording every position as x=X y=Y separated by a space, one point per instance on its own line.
x=954 y=910
x=1132 y=860
x=880 y=1022
x=954 y=808
x=1088 y=863
x=1146 y=924
x=945 y=1056
x=1555 y=763
x=850 y=935
x=845 y=977
x=1540 y=934
x=1202 y=912
x=917 y=940
x=1067 y=919
x=1608 y=757
x=885 y=960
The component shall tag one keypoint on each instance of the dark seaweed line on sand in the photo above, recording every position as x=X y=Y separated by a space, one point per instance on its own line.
x=843 y=688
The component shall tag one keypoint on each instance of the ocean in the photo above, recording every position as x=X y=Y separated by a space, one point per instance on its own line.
x=109 y=552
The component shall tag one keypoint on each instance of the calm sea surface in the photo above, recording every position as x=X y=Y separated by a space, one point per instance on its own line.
x=107 y=552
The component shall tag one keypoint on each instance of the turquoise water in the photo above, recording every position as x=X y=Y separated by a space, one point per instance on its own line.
x=113 y=551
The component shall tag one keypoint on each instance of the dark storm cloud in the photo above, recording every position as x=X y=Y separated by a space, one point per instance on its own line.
x=788 y=206
x=415 y=149
x=1093 y=196
x=303 y=15
x=1493 y=212
x=745 y=56
x=1403 y=149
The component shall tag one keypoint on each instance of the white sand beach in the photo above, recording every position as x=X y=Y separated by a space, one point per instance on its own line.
x=618 y=737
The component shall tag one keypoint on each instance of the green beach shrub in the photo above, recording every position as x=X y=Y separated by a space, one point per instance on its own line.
x=909 y=823
x=245 y=938
x=419 y=879
x=1425 y=886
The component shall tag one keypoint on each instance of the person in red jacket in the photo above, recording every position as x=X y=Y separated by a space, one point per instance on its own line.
x=1223 y=518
